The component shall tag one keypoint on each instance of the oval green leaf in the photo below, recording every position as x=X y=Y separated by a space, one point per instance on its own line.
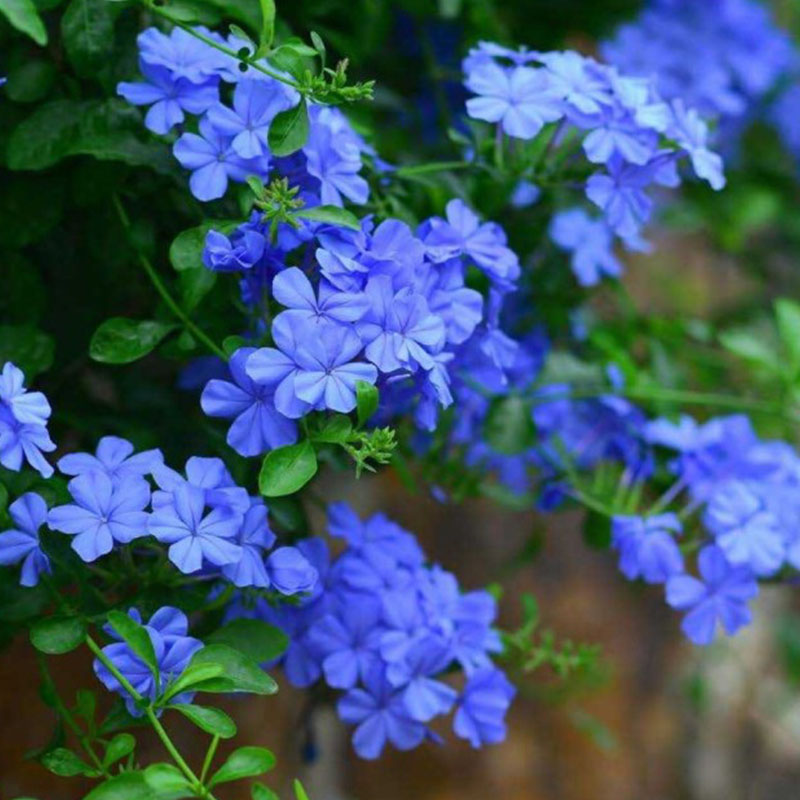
x=287 y=469
x=120 y=340
x=210 y=720
x=57 y=635
x=246 y=762
x=288 y=132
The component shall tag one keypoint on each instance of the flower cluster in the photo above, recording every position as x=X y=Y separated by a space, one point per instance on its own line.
x=384 y=628
x=23 y=424
x=726 y=59
x=722 y=58
x=184 y=75
x=383 y=305
x=632 y=137
x=211 y=525
x=746 y=491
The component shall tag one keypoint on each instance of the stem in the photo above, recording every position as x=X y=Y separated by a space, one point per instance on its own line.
x=69 y=719
x=249 y=60
x=162 y=289
x=212 y=749
x=686 y=397
x=433 y=166
x=196 y=783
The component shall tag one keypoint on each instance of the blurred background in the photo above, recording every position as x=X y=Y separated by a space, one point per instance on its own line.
x=651 y=717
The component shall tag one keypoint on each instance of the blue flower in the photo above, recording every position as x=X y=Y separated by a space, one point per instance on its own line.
x=193 y=535
x=424 y=696
x=173 y=648
x=380 y=715
x=590 y=242
x=184 y=55
x=104 y=512
x=23 y=424
x=721 y=596
x=167 y=97
x=212 y=160
x=318 y=372
x=647 y=546
x=255 y=538
x=333 y=158
x=27 y=408
x=480 y=717
x=21 y=544
x=290 y=571
x=255 y=105
x=585 y=86
x=522 y=99
x=398 y=330
x=258 y=426
x=349 y=640
x=621 y=195
x=292 y=289
x=242 y=250
x=462 y=233
x=690 y=131
x=208 y=474
x=114 y=457
x=745 y=528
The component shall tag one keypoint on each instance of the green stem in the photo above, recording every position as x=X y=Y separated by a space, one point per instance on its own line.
x=155 y=279
x=433 y=166
x=249 y=60
x=685 y=397
x=196 y=783
x=212 y=749
x=69 y=719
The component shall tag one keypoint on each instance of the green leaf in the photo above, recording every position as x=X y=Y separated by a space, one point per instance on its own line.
x=787 y=314
x=288 y=132
x=109 y=130
x=246 y=762
x=30 y=349
x=335 y=430
x=211 y=720
x=167 y=782
x=136 y=637
x=192 y=675
x=240 y=672
x=127 y=786
x=256 y=639
x=121 y=745
x=87 y=31
x=750 y=346
x=367 y=399
x=332 y=215
x=230 y=344
x=65 y=763
x=286 y=470
x=120 y=340
x=319 y=46
x=23 y=16
x=260 y=792
x=509 y=427
x=30 y=81
x=57 y=635
x=299 y=791
x=292 y=57
x=267 y=31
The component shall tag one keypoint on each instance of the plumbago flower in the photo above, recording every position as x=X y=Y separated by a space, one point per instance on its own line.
x=173 y=649
x=21 y=545
x=387 y=630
